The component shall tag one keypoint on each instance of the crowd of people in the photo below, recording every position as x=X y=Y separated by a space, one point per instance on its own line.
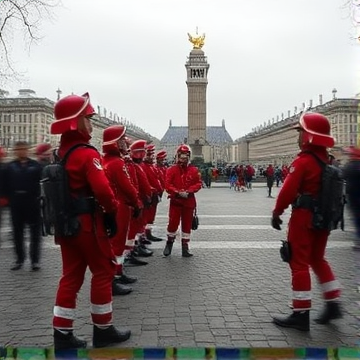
x=114 y=197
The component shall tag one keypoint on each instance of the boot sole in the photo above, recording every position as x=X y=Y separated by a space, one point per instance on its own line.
x=318 y=321
x=291 y=327
x=102 y=345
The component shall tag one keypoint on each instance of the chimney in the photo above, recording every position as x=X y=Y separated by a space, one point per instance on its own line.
x=310 y=103
x=334 y=93
x=320 y=99
x=289 y=113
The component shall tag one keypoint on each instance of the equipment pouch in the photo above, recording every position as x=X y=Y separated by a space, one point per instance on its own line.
x=110 y=224
x=195 y=221
x=285 y=251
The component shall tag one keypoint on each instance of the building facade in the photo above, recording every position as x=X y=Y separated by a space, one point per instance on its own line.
x=27 y=117
x=276 y=142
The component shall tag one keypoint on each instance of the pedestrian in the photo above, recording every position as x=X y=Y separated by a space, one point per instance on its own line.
x=307 y=244
x=351 y=172
x=182 y=182
x=270 y=177
x=94 y=202
x=3 y=200
x=22 y=189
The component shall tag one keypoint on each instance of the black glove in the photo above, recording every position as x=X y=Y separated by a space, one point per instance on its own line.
x=136 y=212
x=276 y=222
x=285 y=251
x=155 y=199
x=147 y=201
x=110 y=224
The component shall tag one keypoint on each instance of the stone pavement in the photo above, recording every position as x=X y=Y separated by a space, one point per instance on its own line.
x=223 y=296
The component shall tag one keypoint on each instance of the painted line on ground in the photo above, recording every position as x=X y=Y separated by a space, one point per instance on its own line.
x=240 y=244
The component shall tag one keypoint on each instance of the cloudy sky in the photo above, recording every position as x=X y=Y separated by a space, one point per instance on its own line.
x=266 y=57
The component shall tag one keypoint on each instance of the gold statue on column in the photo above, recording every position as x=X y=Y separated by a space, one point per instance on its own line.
x=197 y=41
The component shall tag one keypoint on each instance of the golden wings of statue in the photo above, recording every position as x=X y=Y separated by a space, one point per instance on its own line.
x=197 y=41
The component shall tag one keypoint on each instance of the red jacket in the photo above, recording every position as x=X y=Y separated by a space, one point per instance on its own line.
x=87 y=178
x=145 y=189
x=161 y=170
x=178 y=179
x=304 y=177
x=119 y=178
x=152 y=175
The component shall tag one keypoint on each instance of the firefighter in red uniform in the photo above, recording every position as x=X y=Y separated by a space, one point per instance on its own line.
x=153 y=177
x=307 y=244
x=130 y=252
x=182 y=182
x=161 y=168
x=114 y=149
x=43 y=153
x=90 y=247
x=137 y=226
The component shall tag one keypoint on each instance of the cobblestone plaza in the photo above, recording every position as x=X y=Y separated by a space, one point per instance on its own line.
x=224 y=296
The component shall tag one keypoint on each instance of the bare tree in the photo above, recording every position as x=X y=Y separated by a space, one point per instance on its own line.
x=352 y=9
x=20 y=18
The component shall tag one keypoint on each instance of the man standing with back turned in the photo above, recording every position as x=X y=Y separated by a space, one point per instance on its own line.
x=301 y=187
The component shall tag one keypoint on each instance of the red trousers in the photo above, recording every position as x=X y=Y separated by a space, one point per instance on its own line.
x=151 y=214
x=308 y=250
x=85 y=250
x=136 y=227
x=118 y=242
x=179 y=213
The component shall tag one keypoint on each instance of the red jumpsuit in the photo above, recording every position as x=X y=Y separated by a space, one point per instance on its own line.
x=307 y=244
x=137 y=226
x=91 y=247
x=181 y=178
x=152 y=175
x=128 y=198
x=135 y=223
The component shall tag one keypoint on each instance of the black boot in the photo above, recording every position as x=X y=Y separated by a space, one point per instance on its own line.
x=145 y=242
x=131 y=260
x=331 y=311
x=151 y=237
x=109 y=336
x=119 y=289
x=185 y=251
x=142 y=251
x=125 y=279
x=299 y=320
x=168 y=248
x=67 y=341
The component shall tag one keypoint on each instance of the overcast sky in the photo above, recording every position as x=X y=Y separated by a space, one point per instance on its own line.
x=266 y=57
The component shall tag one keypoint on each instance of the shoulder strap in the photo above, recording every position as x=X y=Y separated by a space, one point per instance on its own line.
x=67 y=154
x=320 y=162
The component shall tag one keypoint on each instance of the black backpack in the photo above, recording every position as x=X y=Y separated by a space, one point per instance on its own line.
x=58 y=217
x=330 y=203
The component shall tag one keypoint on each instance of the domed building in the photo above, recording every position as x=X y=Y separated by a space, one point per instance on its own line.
x=216 y=148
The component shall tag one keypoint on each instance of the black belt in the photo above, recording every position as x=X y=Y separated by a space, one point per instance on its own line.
x=83 y=205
